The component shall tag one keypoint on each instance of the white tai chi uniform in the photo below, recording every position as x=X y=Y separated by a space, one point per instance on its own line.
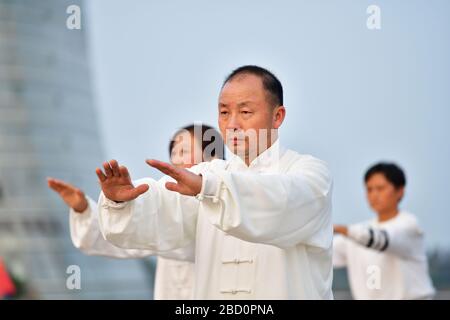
x=174 y=279
x=262 y=231
x=385 y=260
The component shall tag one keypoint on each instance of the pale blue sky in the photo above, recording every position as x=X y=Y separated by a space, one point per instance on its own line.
x=353 y=96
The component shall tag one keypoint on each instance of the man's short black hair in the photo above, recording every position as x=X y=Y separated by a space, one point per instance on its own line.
x=271 y=83
x=393 y=173
x=209 y=137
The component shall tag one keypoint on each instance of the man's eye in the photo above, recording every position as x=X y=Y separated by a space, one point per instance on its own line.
x=246 y=112
x=224 y=112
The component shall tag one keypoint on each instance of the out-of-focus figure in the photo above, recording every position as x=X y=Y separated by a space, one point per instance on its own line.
x=385 y=257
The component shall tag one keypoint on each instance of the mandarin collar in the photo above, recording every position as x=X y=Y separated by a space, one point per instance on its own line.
x=267 y=160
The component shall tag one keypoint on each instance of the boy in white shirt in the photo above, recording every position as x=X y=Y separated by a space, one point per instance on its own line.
x=385 y=257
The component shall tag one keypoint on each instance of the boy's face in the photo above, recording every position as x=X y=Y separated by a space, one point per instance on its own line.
x=187 y=151
x=381 y=194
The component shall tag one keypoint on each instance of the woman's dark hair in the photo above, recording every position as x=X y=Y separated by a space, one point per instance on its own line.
x=207 y=135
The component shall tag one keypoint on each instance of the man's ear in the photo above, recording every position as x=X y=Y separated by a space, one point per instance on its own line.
x=279 y=114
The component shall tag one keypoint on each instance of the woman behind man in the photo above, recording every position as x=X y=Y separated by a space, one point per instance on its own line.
x=190 y=145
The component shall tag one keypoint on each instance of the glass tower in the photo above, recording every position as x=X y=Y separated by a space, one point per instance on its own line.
x=48 y=127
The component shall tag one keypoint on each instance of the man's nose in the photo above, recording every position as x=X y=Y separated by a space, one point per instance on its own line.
x=233 y=123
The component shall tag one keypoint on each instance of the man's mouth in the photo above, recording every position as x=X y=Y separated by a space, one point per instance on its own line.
x=235 y=140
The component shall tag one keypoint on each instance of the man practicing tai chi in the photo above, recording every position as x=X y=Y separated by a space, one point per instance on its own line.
x=174 y=279
x=385 y=257
x=260 y=221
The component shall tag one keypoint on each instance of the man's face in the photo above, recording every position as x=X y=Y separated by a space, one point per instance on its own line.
x=381 y=194
x=186 y=151
x=244 y=111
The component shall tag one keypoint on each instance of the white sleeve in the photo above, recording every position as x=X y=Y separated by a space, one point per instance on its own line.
x=159 y=220
x=339 y=251
x=86 y=236
x=281 y=209
x=401 y=240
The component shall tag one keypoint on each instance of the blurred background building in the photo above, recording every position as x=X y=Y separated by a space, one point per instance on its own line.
x=49 y=127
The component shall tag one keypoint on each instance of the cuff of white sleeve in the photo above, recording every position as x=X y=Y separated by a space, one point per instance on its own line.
x=358 y=233
x=210 y=187
x=107 y=203
x=81 y=218
x=85 y=216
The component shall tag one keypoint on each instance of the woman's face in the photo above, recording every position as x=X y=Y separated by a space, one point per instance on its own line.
x=187 y=151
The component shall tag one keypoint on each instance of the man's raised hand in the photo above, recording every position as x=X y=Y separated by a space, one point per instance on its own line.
x=188 y=183
x=116 y=183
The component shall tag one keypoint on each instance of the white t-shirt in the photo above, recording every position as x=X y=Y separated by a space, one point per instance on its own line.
x=385 y=260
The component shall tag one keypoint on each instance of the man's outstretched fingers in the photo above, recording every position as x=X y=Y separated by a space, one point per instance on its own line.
x=107 y=168
x=100 y=174
x=115 y=168
x=124 y=172
x=163 y=167
x=157 y=165
x=140 y=189
x=172 y=186
x=153 y=163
